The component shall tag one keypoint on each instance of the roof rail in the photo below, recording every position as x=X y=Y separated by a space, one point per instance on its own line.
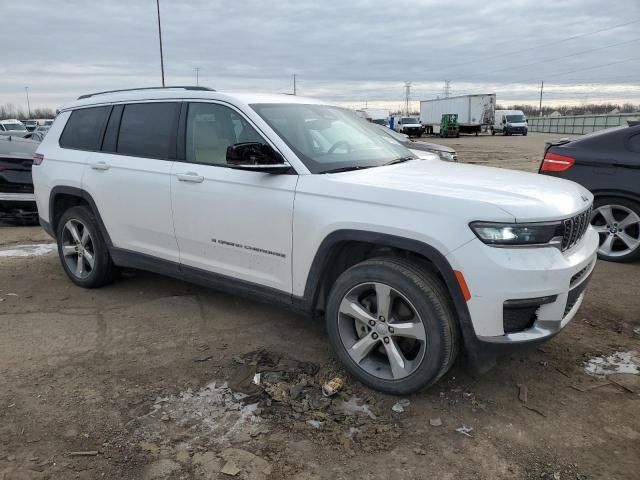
x=187 y=87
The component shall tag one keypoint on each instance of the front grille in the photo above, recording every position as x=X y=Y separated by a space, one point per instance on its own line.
x=574 y=295
x=576 y=278
x=575 y=228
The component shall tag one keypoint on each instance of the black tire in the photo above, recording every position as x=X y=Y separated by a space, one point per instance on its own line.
x=493 y=132
x=431 y=302
x=524 y=134
x=103 y=270
x=633 y=255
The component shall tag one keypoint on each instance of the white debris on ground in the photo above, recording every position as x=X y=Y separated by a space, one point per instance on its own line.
x=34 y=250
x=214 y=413
x=354 y=405
x=618 y=362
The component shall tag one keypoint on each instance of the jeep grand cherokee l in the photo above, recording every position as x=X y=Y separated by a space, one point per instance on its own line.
x=291 y=200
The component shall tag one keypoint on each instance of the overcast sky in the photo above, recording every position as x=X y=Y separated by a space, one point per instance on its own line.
x=348 y=51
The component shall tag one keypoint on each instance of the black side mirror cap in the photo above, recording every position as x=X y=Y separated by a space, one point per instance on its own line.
x=257 y=157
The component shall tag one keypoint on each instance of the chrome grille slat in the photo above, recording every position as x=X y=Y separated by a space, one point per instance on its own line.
x=575 y=228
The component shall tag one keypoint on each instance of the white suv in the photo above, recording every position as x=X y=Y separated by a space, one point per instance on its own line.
x=295 y=201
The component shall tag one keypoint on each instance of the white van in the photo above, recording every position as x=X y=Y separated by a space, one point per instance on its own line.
x=509 y=122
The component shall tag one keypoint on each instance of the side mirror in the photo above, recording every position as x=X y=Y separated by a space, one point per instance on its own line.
x=504 y=120
x=256 y=157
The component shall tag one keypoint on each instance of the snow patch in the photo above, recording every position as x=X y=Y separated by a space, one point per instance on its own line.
x=35 y=250
x=618 y=362
x=214 y=413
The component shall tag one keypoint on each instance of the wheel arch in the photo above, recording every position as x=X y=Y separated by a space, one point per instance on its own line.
x=63 y=197
x=357 y=245
x=600 y=193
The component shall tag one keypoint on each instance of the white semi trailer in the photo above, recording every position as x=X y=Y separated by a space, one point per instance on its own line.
x=474 y=112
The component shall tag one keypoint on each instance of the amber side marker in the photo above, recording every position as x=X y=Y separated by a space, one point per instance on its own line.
x=463 y=285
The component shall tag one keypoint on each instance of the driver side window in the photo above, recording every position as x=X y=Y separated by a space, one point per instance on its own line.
x=211 y=128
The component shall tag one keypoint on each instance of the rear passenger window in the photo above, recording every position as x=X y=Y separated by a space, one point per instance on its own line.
x=148 y=130
x=84 y=128
x=634 y=143
x=211 y=128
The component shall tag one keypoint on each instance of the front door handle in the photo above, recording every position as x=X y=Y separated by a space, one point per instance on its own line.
x=190 y=177
x=100 y=166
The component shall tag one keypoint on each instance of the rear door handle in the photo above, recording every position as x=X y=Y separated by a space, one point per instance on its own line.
x=190 y=177
x=100 y=166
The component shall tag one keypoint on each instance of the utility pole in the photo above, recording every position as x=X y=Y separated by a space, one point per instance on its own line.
x=294 y=83
x=407 y=94
x=447 y=88
x=197 y=70
x=540 y=108
x=26 y=89
x=160 y=38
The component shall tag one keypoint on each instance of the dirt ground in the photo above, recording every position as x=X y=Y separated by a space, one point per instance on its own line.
x=151 y=378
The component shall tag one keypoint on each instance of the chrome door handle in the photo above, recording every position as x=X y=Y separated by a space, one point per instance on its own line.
x=100 y=166
x=190 y=177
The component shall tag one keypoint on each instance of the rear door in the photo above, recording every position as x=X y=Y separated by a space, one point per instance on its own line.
x=227 y=221
x=129 y=179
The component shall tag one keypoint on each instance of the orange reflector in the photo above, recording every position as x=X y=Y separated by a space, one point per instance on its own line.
x=463 y=285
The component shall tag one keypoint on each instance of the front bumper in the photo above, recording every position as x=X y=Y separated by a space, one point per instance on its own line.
x=17 y=197
x=499 y=276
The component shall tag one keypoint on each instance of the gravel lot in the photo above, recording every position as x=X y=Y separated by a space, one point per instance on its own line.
x=128 y=382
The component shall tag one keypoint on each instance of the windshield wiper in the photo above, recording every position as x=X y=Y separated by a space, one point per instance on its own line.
x=399 y=160
x=345 y=169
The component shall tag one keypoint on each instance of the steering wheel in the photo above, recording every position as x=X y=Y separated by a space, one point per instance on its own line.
x=340 y=143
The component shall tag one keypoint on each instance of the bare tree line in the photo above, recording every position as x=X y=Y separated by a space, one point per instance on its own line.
x=9 y=110
x=590 y=109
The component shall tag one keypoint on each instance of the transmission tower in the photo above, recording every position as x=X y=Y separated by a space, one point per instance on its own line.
x=447 y=88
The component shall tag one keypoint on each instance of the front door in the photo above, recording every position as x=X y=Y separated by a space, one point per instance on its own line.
x=230 y=222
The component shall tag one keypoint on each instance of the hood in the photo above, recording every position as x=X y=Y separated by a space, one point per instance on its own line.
x=527 y=197
x=429 y=147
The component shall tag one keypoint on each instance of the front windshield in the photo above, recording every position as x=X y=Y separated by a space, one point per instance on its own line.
x=30 y=123
x=16 y=127
x=48 y=123
x=410 y=120
x=329 y=138
x=516 y=119
x=379 y=121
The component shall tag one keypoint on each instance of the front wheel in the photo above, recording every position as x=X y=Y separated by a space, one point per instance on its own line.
x=617 y=222
x=392 y=325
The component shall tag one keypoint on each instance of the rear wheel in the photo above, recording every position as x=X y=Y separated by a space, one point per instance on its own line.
x=392 y=325
x=617 y=221
x=82 y=249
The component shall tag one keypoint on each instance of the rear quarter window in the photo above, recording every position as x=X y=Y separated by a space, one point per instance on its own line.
x=148 y=130
x=83 y=131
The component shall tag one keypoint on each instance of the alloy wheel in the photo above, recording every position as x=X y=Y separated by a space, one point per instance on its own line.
x=619 y=230
x=381 y=331
x=78 y=249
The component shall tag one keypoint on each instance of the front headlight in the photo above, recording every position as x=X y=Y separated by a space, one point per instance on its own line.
x=517 y=233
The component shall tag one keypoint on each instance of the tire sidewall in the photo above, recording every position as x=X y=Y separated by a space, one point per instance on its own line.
x=435 y=354
x=101 y=254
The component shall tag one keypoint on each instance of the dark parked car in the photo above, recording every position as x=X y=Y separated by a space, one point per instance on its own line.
x=16 y=185
x=606 y=162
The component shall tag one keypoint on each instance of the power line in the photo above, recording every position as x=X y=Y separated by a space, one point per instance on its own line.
x=573 y=37
x=565 y=56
